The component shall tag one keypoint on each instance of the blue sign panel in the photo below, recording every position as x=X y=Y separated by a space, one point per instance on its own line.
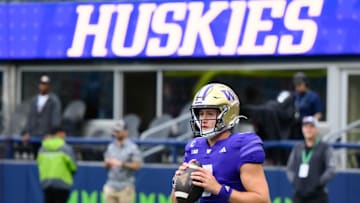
x=19 y=182
x=179 y=29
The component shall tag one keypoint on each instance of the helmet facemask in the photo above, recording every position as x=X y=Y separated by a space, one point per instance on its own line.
x=218 y=128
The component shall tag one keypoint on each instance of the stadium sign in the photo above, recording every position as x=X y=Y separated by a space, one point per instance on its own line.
x=178 y=29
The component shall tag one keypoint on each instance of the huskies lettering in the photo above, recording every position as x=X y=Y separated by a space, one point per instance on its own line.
x=196 y=28
x=307 y=26
x=198 y=24
x=257 y=24
x=172 y=30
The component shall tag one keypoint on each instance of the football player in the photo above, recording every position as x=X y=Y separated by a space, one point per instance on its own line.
x=231 y=161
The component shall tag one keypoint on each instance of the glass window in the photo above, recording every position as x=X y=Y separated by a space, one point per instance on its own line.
x=353 y=114
x=254 y=87
x=353 y=105
x=178 y=90
x=94 y=88
x=1 y=103
x=2 y=128
x=140 y=96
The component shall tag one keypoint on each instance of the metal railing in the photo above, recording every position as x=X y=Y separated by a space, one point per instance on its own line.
x=168 y=124
x=172 y=143
x=160 y=146
x=175 y=143
x=337 y=134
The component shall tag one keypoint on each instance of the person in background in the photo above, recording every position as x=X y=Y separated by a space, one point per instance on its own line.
x=57 y=165
x=122 y=159
x=44 y=114
x=232 y=168
x=311 y=165
x=306 y=101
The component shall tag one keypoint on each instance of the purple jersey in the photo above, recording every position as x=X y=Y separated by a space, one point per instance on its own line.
x=225 y=158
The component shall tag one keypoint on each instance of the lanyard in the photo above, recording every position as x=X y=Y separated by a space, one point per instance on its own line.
x=306 y=157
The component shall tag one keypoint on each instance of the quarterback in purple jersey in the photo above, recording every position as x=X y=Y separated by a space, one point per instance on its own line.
x=231 y=162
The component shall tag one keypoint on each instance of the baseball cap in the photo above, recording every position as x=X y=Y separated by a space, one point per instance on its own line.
x=45 y=79
x=311 y=120
x=120 y=125
x=299 y=78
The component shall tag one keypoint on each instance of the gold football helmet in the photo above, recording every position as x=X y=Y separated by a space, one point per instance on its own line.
x=215 y=96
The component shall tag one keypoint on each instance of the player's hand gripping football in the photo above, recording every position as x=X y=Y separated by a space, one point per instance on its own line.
x=205 y=179
x=202 y=178
x=184 y=189
x=180 y=170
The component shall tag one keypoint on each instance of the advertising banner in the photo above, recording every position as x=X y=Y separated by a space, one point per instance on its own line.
x=19 y=183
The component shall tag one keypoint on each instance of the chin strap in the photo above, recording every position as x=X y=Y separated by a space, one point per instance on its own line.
x=242 y=116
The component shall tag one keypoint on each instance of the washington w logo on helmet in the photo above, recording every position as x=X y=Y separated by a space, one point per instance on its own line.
x=229 y=94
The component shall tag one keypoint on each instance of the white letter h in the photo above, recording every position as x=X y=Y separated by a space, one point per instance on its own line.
x=84 y=28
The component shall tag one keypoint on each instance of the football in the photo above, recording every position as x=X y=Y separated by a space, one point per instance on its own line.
x=185 y=191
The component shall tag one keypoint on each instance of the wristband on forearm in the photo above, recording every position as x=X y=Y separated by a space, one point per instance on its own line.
x=225 y=193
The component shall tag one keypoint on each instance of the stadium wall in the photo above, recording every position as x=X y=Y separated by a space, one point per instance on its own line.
x=19 y=183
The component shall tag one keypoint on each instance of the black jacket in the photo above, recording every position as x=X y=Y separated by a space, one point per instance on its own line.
x=322 y=168
x=41 y=123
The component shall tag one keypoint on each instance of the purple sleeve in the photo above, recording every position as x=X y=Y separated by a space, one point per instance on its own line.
x=252 y=150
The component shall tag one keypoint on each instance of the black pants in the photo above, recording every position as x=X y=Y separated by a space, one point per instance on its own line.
x=317 y=198
x=54 y=195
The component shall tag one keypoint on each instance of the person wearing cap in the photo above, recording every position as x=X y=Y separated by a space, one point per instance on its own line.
x=122 y=159
x=306 y=102
x=57 y=165
x=311 y=165
x=44 y=113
